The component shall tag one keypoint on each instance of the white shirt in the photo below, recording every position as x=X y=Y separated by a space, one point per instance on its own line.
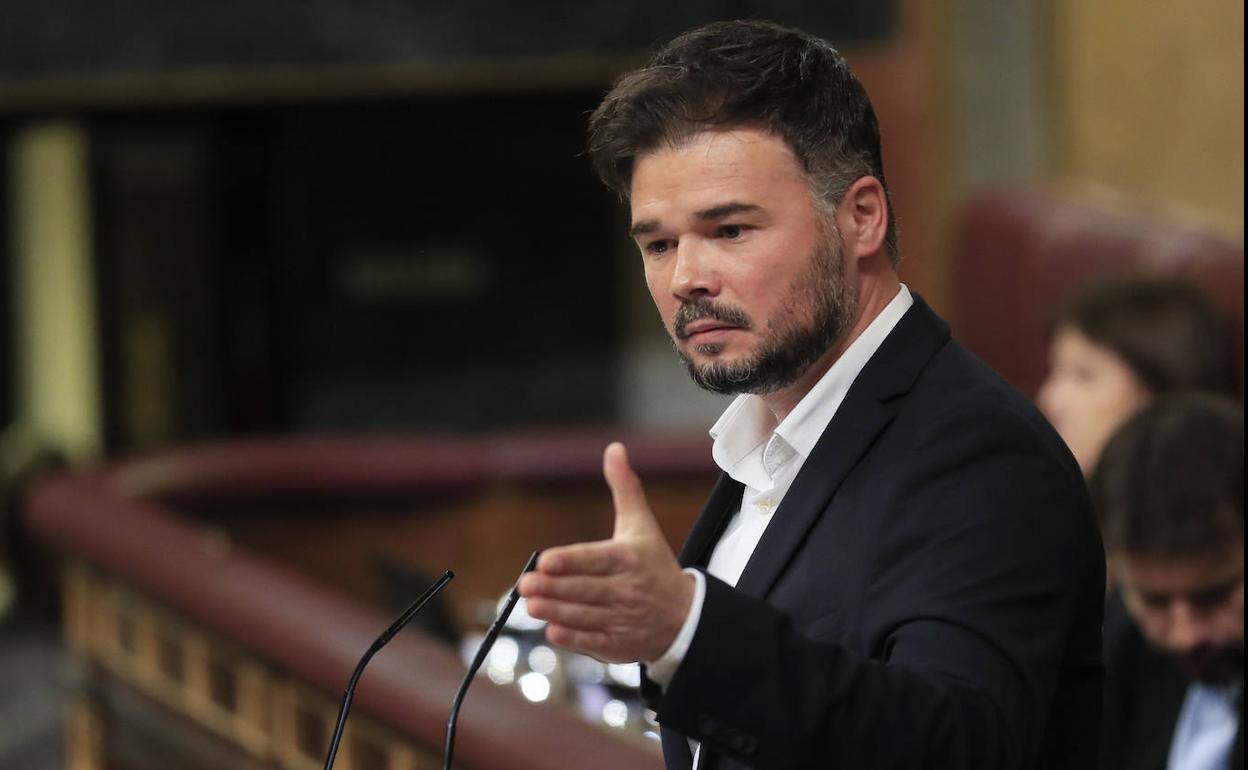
x=1206 y=729
x=751 y=448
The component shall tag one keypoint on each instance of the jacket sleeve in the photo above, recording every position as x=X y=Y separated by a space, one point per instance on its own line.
x=985 y=559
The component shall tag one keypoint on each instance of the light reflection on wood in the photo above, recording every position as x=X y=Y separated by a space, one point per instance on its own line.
x=123 y=633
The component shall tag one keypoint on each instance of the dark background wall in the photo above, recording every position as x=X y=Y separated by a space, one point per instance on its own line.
x=366 y=216
x=377 y=239
x=7 y=355
x=80 y=37
x=436 y=263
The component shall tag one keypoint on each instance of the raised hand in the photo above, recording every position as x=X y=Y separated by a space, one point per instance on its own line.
x=622 y=599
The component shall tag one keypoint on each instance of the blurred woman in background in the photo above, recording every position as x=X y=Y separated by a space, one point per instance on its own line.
x=1121 y=343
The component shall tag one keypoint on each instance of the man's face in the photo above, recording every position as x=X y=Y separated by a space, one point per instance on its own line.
x=1191 y=608
x=746 y=271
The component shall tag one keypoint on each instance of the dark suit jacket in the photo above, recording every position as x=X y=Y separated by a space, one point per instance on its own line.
x=1144 y=692
x=929 y=594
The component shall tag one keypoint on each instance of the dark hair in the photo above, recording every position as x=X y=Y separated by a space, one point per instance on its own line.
x=1167 y=330
x=745 y=73
x=1171 y=481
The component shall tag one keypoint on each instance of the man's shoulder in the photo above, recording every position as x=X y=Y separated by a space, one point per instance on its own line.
x=966 y=443
x=949 y=381
x=946 y=405
x=957 y=389
x=963 y=378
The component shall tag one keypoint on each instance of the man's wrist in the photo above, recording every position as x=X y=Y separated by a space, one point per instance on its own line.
x=662 y=669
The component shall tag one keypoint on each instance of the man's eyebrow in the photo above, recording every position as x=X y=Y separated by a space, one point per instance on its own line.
x=643 y=227
x=1215 y=589
x=726 y=209
x=705 y=215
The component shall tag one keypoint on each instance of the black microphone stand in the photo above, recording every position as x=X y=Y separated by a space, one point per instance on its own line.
x=382 y=640
x=482 y=652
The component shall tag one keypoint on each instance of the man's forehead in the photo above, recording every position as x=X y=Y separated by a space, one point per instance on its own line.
x=718 y=154
x=710 y=171
x=1184 y=574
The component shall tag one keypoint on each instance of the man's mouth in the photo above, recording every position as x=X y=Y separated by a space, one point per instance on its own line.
x=704 y=323
x=1213 y=664
x=705 y=332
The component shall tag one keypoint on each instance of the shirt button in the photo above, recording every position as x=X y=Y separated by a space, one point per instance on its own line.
x=764 y=505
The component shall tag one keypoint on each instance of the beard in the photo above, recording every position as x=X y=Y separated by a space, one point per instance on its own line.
x=817 y=311
x=1214 y=665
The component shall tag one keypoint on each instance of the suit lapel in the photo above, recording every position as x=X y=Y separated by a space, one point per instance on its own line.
x=854 y=428
x=676 y=754
x=861 y=417
x=724 y=500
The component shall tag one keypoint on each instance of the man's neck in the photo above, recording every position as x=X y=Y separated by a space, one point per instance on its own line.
x=871 y=302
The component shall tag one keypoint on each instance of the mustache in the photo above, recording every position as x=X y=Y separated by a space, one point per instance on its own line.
x=1213 y=664
x=704 y=308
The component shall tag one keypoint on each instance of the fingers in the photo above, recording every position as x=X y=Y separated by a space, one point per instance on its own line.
x=625 y=487
x=586 y=590
x=593 y=643
x=632 y=511
x=604 y=557
x=583 y=617
x=612 y=599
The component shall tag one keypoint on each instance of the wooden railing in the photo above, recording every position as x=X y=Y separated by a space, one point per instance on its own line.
x=170 y=592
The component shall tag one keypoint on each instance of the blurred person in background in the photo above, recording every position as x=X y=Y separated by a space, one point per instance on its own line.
x=1122 y=342
x=1170 y=491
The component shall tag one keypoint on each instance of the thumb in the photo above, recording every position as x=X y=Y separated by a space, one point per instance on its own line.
x=632 y=512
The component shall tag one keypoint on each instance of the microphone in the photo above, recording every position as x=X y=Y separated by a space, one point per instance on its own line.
x=482 y=652
x=382 y=640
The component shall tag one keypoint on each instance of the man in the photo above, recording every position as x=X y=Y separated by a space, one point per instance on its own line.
x=898 y=567
x=1170 y=488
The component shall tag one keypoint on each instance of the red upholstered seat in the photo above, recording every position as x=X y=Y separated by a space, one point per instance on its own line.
x=1019 y=253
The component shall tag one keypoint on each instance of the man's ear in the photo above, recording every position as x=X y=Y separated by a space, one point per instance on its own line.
x=862 y=217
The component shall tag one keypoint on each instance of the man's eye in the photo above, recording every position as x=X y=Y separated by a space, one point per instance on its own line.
x=1211 y=598
x=731 y=232
x=657 y=247
x=1154 y=601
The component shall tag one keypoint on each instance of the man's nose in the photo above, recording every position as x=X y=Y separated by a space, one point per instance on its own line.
x=695 y=273
x=1189 y=627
